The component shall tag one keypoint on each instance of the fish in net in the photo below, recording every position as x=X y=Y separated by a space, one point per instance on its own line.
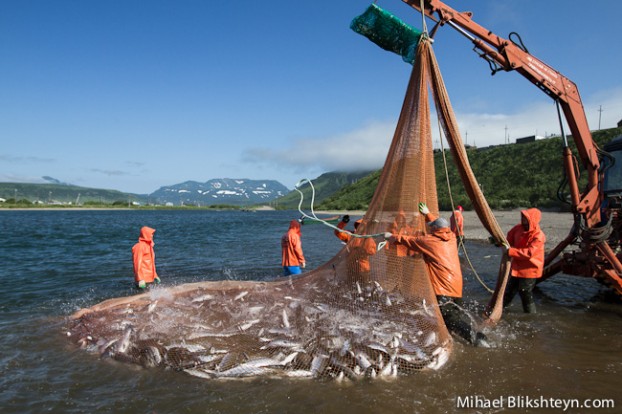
x=369 y=312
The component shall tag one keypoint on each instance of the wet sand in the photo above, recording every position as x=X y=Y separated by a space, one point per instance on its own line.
x=556 y=226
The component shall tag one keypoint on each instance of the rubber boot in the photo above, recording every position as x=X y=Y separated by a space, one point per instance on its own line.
x=529 y=307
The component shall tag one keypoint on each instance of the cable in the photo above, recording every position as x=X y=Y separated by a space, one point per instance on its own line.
x=316 y=218
x=451 y=201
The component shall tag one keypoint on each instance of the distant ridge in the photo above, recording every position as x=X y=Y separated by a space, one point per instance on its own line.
x=239 y=192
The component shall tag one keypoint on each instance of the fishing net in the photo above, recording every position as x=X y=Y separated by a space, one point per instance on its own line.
x=370 y=311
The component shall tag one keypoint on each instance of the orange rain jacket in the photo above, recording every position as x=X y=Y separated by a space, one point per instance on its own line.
x=527 y=246
x=344 y=237
x=440 y=253
x=456 y=222
x=291 y=246
x=144 y=256
x=400 y=227
x=360 y=249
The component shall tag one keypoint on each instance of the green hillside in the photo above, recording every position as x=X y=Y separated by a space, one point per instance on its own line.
x=62 y=194
x=325 y=185
x=511 y=176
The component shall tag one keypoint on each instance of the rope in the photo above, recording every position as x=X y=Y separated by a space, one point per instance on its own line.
x=451 y=200
x=316 y=218
x=424 y=27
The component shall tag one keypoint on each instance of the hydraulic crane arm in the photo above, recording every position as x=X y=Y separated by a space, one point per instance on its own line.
x=506 y=55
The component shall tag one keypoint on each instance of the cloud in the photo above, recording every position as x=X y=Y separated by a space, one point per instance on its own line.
x=16 y=178
x=362 y=149
x=540 y=118
x=366 y=148
x=110 y=173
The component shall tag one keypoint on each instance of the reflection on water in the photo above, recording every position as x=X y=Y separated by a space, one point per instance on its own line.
x=54 y=263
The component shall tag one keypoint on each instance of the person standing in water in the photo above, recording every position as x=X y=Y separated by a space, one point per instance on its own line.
x=144 y=259
x=292 y=258
x=456 y=222
x=526 y=250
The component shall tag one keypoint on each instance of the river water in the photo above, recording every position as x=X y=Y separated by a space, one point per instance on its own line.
x=53 y=263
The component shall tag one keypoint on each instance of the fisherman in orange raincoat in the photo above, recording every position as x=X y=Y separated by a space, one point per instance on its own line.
x=292 y=258
x=440 y=254
x=144 y=259
x=456 y=222
x=360 y=249
x=342 y=235
x=527 y=253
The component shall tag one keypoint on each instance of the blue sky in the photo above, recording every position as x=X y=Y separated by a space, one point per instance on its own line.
x=134 y=95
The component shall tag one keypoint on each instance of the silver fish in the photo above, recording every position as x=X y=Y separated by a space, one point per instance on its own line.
x=430 y=339
x=285 y=319
x=362 y=360
x=281 y=343
x=298 y=373
x=124 y=344
x=241 y=371
x=201 y=373
x=440 y=358
x=249 y=324
x=318 y=364
x=289 y=358
x=203 y=298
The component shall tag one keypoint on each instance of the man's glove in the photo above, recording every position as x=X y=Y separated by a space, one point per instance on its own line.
x=142 y=284
x=388 y=235
x=157 y=280
x=303 y=265
x=423 y=209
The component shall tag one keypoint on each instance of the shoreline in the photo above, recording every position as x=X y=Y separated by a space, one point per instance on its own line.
x=556 y=226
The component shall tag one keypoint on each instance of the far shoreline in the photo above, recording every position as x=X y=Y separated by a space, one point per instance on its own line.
x=556 y=225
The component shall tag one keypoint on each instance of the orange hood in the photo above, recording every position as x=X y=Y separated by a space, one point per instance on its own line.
x=533 y=216
x=295 y=225
x=146 y=234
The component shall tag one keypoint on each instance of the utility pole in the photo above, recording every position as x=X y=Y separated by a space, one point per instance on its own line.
x=600 y=112
x=505 y=136
x=466 y=138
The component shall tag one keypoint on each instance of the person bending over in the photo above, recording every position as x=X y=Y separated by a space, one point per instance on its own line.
x=440 y=254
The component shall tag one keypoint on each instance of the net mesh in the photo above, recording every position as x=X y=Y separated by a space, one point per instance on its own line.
x=368 y=312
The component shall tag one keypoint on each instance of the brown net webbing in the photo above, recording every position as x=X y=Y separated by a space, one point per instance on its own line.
x=459 y=154
x=367 y=312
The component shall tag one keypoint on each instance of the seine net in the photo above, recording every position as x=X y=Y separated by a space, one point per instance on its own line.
x=368 y=312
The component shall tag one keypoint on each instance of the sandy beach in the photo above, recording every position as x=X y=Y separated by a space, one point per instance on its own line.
x=556 y=226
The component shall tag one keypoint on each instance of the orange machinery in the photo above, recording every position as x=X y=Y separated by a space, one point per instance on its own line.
x=596 y=230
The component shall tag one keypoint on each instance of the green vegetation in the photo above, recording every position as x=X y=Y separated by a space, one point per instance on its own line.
x=60 y=196
x=510 y=176
x=325 y=185
x=63 y=195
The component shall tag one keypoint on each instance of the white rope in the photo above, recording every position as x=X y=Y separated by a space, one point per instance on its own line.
x=424 y=26
x=453 y=208
x=316 y=218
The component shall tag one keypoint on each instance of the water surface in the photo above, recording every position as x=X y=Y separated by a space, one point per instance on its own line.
x=56 y=262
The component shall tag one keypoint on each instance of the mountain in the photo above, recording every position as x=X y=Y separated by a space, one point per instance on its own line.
x=239 y=192
x=28 y=193
x=325 y=185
